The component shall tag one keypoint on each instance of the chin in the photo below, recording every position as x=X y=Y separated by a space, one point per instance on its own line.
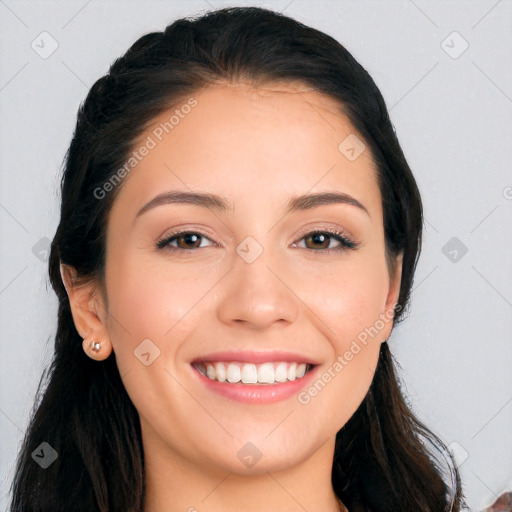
x=255 y=455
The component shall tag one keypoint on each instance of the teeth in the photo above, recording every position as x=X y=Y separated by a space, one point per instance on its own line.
x=291 y=371
x=219 y=372
x=248 y=373
x=280 y=373
x=210 y=372
x=266 y=373
x=233 y=373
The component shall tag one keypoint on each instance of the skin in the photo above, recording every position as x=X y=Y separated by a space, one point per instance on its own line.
x=257 y=147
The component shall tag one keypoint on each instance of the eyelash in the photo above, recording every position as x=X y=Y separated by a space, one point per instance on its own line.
x=346 y=243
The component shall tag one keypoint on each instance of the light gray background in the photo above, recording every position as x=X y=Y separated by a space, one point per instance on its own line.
x=453 y=118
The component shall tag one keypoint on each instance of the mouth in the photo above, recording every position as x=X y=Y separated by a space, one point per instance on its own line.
x=253 y=374
x=255 y=377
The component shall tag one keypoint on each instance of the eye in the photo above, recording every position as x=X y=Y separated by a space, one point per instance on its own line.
x=322 y=239
x=189 y=240
x=185 y=240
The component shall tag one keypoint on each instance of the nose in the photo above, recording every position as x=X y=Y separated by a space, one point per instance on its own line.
x=257 y=295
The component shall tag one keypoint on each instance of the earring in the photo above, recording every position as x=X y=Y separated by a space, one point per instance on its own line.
x=96 y=349
x=95 y=346
x=92 y=348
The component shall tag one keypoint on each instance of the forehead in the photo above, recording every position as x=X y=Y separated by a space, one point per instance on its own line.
x=270 y=139
x=281 y=104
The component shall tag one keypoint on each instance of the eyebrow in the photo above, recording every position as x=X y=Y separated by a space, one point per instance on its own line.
x=221 y=204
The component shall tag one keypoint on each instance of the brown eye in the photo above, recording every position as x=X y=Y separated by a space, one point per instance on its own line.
x=184 y=240
x=190 y=240
x=321 y=241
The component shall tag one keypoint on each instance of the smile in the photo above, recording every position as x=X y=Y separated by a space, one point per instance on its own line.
x=269 y=373
x=255 y=377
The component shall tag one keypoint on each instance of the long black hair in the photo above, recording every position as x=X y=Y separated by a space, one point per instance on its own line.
x=385 y=459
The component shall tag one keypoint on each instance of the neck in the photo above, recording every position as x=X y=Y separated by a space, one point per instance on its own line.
x=173 y=483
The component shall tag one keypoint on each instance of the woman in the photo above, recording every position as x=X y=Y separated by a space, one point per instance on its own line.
x=238 y=236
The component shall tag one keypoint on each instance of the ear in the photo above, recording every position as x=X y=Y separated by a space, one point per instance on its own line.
x=89 y=313
x=392 y=298
x=394 y=283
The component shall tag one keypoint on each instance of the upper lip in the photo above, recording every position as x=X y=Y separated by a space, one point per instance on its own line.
x=255 y=357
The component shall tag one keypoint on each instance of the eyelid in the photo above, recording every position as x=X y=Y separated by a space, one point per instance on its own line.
x=345 y=239
x=332 y=229
x=163 y=241
x=186 y=228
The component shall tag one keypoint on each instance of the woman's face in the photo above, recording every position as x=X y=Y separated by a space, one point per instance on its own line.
x=248 y=290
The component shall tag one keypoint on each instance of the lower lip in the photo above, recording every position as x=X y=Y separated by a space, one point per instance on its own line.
x=256 y=393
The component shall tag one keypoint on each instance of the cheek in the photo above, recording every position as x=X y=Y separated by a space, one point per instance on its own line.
x=146 y=303
x=349 y=298
x=351 y=303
